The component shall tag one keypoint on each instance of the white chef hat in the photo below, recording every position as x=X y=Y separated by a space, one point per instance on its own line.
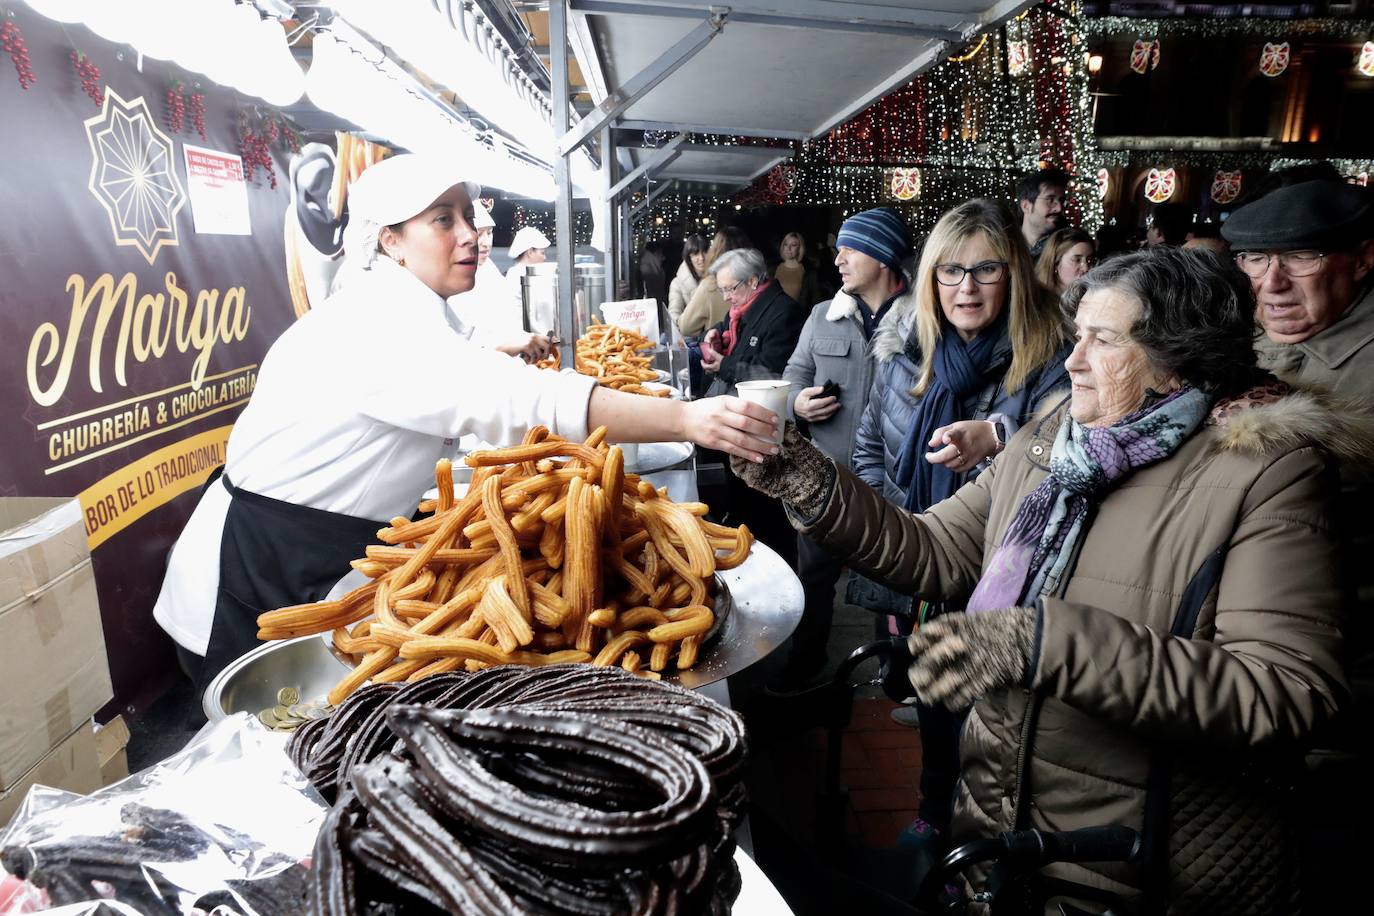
x=528 y=238
x=481 y=216
x=391 y=192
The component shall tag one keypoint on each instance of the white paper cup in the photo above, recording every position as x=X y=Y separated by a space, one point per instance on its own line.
x=631 y=450
x=771 y=393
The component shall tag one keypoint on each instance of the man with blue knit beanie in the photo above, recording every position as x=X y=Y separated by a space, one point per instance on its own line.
x=834 y=347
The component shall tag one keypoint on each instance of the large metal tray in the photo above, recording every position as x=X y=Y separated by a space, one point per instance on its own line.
x=659 y=456
x=765 y=605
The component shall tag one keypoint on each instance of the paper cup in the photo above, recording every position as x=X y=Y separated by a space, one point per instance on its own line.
x=771 y=393
x=631 y=450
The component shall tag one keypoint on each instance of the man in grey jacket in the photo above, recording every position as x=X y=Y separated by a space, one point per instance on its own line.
x=831 y=372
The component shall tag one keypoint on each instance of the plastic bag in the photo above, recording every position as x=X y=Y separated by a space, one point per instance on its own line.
x=224 y=827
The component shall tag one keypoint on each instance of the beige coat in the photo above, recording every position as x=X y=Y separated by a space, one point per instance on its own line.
x=706 y=308
x=1340 y=358
x=680 y=291
x=1108 y=688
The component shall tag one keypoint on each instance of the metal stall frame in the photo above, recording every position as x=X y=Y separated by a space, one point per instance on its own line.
x=912 y=37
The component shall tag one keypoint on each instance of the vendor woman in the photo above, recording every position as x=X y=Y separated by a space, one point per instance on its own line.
x=357 y=401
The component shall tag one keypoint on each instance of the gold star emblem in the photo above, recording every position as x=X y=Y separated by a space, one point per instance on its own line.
x=133 y=174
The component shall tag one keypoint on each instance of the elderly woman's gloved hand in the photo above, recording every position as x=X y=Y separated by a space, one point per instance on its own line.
x=800 y=474
x=960 y=657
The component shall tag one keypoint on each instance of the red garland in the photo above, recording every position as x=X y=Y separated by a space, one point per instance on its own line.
x=90 y=77
x=12 y=40
x=256 y=154
x=176 y=108
x=198 y=112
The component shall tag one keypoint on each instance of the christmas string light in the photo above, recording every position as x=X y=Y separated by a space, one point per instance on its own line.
x=1210 y=26
x=1017 y=100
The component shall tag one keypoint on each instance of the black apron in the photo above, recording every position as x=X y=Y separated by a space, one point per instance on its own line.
x=274 y=554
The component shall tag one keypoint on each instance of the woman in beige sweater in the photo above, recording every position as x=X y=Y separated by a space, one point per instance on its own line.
x=708 y=307
x=688 y=275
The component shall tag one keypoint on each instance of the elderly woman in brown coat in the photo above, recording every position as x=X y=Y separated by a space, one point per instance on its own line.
x=1153 y=627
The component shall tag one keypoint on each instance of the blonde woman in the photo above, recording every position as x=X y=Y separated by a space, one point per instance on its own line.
x=1068 y=255
x=962 y=359
x=708 y=307
x=793 y=275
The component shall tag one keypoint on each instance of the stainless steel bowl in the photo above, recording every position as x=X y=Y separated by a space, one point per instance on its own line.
x=251 y=682
x=765 y=605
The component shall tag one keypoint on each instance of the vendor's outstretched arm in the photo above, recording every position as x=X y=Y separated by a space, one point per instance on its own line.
x=728 y=424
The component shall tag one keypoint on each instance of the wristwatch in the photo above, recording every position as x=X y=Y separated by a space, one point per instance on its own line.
x=999 y=432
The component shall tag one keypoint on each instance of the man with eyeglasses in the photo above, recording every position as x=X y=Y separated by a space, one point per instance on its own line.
x=1040 y=195
x=1309 y=252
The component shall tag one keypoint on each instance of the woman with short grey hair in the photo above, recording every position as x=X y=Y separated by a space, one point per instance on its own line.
x=1153 y=625
x=743 y=264
x=761 y=329
x=754 y=341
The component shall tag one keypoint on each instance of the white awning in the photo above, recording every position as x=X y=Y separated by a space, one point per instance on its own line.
x=791 y=70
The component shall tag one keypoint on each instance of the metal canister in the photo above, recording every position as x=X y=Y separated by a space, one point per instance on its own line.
x=589 y=291
x=539 y=299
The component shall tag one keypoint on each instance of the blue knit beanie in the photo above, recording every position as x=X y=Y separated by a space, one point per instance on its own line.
x=879 y=233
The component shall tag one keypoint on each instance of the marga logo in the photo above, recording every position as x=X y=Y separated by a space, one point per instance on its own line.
x=134 y=176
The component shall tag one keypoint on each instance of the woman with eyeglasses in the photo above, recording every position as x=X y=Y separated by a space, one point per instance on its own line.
x=1068 y=255
x=962 y=361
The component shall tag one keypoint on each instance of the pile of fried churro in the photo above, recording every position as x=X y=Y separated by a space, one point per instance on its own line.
x=611 y=355
x=555 y=554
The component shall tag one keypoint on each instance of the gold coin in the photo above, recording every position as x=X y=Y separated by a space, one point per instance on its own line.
x=288 y=696
x=269 y=718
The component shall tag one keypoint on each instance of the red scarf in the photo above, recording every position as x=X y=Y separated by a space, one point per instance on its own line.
x=736 y=313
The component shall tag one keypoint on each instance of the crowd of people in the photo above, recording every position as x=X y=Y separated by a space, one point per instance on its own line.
x=1113 y=497
x=1110 y=497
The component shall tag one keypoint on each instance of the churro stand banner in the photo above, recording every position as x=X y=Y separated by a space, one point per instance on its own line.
x=158 y=236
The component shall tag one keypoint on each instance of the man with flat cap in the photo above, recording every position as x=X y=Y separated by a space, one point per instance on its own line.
x=1309 y=252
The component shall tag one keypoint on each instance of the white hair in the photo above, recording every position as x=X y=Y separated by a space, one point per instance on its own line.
x=743 y=264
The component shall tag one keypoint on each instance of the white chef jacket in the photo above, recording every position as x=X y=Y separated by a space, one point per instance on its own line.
x=354 y=404
x=514 y=293
x=486 y=311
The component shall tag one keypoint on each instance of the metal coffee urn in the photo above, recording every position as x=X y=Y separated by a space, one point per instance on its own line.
x=539 y=299
x=589 y=290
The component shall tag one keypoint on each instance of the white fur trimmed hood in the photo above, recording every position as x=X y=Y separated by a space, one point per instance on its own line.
x=896 y=326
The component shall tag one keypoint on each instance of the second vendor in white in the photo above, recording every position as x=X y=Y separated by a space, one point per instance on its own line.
x=357 y=401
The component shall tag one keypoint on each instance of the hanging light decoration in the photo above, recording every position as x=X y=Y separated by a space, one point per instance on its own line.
x=1160 y=184
x=1274 y=58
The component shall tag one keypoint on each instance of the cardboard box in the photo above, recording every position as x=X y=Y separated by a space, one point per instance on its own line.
x=111 y=743
x=53 y=671
x=72 y=765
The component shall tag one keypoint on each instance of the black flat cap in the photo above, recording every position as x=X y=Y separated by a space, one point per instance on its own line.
x=1314 y=214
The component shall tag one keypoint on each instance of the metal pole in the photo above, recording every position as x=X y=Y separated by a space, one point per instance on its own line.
x=608 y=208
x=627 y=244
x=562 y=176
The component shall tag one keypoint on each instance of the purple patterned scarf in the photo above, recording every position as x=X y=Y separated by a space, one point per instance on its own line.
x=1085 y=464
